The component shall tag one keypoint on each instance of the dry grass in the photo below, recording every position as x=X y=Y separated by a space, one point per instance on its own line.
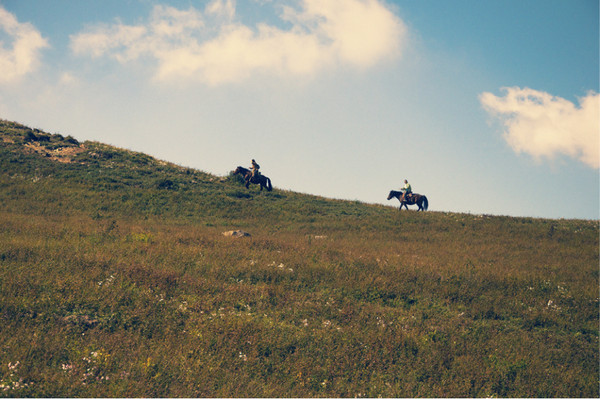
x=128 y=308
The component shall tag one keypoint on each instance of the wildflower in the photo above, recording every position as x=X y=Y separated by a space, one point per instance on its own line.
x=551 y=305
x=106 y=282
x=67 y=367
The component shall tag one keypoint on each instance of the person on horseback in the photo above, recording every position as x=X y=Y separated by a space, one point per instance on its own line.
x=255 y=167
x=406 y=190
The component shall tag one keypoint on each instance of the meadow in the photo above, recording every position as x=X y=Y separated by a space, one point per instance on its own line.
x=116 y=281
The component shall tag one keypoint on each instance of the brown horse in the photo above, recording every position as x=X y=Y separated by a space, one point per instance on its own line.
x=263 y=180
x=415 y=199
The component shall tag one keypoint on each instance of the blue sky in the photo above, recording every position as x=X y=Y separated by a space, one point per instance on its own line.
x=486 y=107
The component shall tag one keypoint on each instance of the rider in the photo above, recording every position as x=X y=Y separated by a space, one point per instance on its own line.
x=255 y=167
x=406 y=190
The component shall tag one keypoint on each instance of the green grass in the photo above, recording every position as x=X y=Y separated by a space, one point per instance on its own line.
x=115 y=280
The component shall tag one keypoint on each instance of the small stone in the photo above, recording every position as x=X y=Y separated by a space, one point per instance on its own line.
x=236 y=233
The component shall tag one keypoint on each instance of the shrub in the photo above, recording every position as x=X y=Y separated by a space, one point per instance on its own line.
x=30 y=136
x=166 y=184
x=71 y=140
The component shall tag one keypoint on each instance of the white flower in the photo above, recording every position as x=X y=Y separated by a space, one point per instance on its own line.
x=13 y=366
x=67 y=367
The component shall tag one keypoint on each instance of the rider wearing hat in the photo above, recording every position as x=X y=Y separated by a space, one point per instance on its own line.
x=255 y=167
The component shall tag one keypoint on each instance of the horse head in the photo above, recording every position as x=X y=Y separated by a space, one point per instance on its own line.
x=240 y=170
x=392 y=195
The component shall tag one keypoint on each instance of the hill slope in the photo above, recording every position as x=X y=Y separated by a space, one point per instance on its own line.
x=116 y=280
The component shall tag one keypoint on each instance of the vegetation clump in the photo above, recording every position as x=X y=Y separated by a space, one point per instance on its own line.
x=114 y=282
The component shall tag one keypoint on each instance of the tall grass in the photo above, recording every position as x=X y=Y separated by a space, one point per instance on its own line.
x=115 y=283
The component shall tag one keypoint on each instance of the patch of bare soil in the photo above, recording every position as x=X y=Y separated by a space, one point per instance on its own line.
x=61 y=154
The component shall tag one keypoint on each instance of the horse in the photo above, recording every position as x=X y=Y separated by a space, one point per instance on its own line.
x=263 y=180
x=415 y=199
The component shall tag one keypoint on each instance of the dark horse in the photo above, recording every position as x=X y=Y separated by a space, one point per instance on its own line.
x=415 y=199
x=263 y=180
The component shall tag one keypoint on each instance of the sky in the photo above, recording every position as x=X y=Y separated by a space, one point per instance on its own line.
x=485 y=107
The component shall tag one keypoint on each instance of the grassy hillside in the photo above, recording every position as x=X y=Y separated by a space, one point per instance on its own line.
x=116 y=280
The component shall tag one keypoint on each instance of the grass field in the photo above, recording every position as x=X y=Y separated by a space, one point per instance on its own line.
x=116 y=280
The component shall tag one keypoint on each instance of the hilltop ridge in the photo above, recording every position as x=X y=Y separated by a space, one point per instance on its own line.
x=54 y=154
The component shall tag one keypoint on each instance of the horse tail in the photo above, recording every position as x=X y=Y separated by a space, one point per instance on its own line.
x=269 y=186
x=425 y=203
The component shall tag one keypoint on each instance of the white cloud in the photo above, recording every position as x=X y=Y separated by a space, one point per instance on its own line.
x=212 y=47
x=220 y=8
x=23 y=56
x=68 y=79
x=544 y=125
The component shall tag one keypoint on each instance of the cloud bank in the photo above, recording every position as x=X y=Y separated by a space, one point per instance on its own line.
x=23 y=56
x=543 y=125
x=213 y=47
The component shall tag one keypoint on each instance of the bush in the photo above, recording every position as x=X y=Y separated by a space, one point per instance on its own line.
x=235 y=178
x=166 y=184
x=30 y=136
x=71 y=140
